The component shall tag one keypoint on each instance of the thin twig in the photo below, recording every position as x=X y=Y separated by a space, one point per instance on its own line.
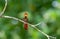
x=28 y=24
x=1 y=15
x=38 y=23
x=4 y=8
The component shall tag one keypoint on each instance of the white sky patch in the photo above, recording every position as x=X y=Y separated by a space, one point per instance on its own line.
x=56 y=4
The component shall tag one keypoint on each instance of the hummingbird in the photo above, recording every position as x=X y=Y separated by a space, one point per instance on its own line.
x=25 y=20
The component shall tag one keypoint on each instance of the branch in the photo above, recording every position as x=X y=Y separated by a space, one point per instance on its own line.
x=43 y=32
x=1 y=15
x=4 y=8
x=38 y=23
x=30 y=25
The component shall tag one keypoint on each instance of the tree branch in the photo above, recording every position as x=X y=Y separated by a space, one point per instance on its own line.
x=4 y=8
x=1 y=15
x=33 y=26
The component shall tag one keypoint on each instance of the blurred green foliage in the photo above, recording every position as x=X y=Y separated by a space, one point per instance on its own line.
x=47 y=11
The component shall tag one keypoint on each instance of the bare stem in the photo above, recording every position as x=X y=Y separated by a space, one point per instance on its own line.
x=1 y=15
x=4 y=8
x=33 y=26
x=38 y=23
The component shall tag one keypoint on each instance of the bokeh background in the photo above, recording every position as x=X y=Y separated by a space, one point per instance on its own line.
x=45 y=11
